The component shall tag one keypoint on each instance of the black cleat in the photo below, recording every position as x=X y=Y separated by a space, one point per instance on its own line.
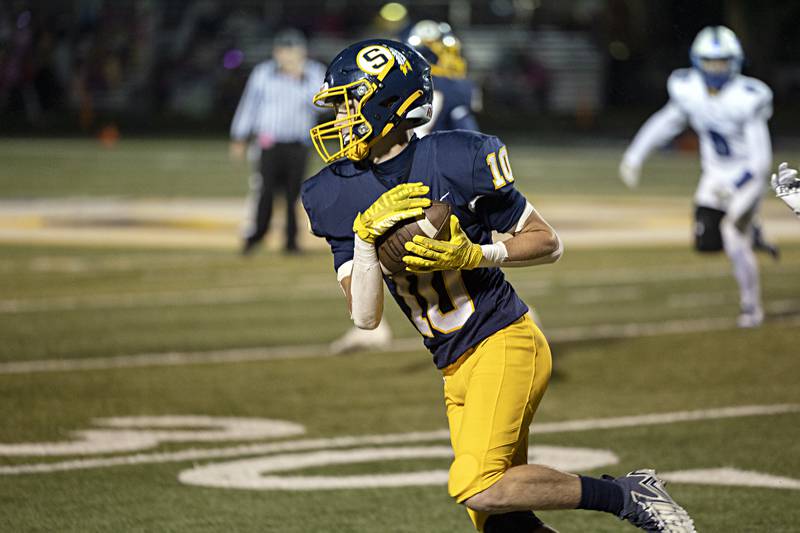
x=648 y=506
x=761 y=245
x=249 y=246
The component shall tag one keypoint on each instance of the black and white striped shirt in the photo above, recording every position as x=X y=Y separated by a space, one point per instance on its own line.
x=278 y=105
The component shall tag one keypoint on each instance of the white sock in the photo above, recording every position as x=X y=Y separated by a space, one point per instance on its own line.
x=745 y=265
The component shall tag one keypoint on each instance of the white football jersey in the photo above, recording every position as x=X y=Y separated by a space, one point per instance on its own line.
x=720 y=120
x=735 y=148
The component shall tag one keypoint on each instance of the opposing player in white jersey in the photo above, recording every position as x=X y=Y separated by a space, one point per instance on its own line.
x=729 y=113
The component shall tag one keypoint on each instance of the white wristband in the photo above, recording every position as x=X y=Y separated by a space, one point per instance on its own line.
x=493 y=255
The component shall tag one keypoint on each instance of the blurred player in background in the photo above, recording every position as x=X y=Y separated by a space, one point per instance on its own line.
x=786 y=185
x=495 y=362
x=455 y=97
x=274 y=111
x=729 y=113
x=455 y=102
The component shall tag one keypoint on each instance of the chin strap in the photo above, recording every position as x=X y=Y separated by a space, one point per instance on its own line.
x=359 y=150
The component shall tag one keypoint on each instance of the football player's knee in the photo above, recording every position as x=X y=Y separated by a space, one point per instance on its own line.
x=495 y=499
x=464 y=473
x=733 y=238
x=708 y=246
x=481 y=503
x=707 y=233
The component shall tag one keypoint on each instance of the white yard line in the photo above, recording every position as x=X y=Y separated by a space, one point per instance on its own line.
x=169 y=298
x=664 y=418
x=306 y=351
x=732 y=477
x=397 y=438
x=605 y=295
x=174 y=358
x=632 y=276
x=589 y=288
x=700 y=299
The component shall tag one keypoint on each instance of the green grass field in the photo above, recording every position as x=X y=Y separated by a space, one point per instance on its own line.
x=176 y=168
x=635 y=332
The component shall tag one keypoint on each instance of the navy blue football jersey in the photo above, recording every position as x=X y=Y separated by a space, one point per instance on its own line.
x=453 y=310
x=456 y=112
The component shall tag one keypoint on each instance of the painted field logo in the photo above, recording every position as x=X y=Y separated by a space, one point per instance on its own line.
x=261 y=473
x=136 y=433
x=275 y=462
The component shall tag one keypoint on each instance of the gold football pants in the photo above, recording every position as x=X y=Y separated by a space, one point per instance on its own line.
x=491 y=393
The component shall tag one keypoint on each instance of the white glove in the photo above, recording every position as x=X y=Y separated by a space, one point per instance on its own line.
x=630 y=174
x=787 y=186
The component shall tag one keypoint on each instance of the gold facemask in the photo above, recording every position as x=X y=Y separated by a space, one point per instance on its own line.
x=345 y=135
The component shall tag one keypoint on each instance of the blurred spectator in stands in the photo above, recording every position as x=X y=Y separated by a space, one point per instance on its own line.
x=519 y=80
x=17 y=67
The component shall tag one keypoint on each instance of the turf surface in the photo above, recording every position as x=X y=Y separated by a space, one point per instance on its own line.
x=81 y=303
x=179 y=168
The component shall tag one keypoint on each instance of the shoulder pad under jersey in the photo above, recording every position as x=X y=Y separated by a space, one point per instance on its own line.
x=683 y=84
x=754 y=97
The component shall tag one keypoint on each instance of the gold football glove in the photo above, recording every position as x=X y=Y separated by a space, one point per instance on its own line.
x=391 y=207
x=459 y=253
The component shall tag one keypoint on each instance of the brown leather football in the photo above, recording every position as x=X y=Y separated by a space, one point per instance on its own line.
x=435 y=223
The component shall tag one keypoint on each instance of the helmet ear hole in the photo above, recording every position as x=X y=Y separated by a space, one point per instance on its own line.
x=389 y=102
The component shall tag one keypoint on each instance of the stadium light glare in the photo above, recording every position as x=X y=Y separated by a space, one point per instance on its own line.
x=393 y=12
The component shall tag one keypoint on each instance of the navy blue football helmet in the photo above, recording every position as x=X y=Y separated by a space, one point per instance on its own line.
x=374 y=86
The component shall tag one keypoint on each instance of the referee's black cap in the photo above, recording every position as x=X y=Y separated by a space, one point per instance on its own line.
x=289 y=38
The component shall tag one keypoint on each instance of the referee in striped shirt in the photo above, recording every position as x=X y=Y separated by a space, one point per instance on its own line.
x=276 y=111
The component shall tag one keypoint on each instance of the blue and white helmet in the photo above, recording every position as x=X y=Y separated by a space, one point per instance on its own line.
x=717 y=55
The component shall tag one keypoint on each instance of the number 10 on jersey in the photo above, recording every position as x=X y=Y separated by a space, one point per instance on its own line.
x=500 y=167
x=419 y=289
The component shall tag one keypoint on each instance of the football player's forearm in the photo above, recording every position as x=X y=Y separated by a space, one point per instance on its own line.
x=535 y=247
x=366 y=287
x=535 y=242
x=659 y=129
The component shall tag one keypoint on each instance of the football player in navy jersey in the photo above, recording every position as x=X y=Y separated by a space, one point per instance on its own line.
x=455 y=97
x=495 y=361
x=453 y=107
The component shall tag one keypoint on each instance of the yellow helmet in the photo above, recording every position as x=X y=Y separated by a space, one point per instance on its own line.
x=439 y=46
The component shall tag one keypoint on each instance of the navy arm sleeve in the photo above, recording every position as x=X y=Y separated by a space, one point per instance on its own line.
x=342 y=250
x=497 y=203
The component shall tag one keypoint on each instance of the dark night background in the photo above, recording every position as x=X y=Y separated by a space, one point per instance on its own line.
x=171 y=67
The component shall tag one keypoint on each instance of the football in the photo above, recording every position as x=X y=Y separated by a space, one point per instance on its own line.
x=434 y=223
